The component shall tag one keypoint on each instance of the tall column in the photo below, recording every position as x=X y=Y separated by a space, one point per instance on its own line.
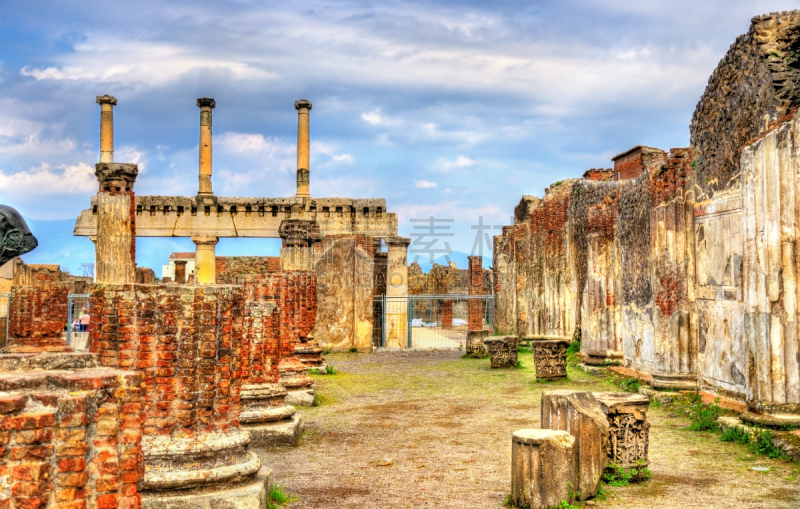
x=205 y=104
x=106 y=103
x=303 y=139
x=205 y=261
x=397 y=292
x=115 y=248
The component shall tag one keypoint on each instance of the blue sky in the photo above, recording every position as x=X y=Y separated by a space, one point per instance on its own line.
x=447 y=109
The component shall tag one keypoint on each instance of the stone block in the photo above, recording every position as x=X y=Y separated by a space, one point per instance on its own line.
x=543 y=467
x=550 y=358
x=301 y=397
x=248 y=495
x=629 y=431
x=280 y=432
x=503 y=350
x=677 y=381
x=579 y=413
x=474 y=345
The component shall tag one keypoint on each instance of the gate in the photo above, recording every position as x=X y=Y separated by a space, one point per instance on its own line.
x=76 y=338
x=434 y=321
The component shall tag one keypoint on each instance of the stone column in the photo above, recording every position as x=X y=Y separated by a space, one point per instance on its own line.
x=303 y=107
x=205 y=261
x=115 y=249
x=106 y=103
x=397 y=292
x=629 y=431
x=543 y=467
x=205 y=104
x=180 y=272
x=580 y=414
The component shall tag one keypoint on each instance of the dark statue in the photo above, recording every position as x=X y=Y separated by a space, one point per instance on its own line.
x=15 y=236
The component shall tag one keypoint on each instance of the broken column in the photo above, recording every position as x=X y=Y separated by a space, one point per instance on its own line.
x=107 y=104
x=503 y=350
x=36 y=318
x=205 y=260
x=115 y=248
x=205 y=104
x=397 y=292
x=580 y=414
x=543 y=468
x=629 y=431
x=298 y=312
x=303 y=108
x=550 y=358
x=187 y=341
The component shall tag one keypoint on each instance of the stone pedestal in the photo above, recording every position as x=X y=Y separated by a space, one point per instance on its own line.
x=596 y=358
x=294 y=378
x=543 y=467
x=503 y=350
x=310 y=355
x=773 y=417
x=267 y=417
x=677 y=381
x=580 y=414
x=629 y=431
x=550 y=358
x=474 y=345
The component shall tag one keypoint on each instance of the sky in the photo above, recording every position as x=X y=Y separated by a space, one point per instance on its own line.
x=447 y=110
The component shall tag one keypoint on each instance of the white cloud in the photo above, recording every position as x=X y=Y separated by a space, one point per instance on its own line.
x=424 y=184
x=458 y=163
x=45 y=181
x=375 y=117
x=344 y=158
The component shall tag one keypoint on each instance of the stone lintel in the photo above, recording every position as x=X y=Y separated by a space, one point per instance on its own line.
x=398 y=241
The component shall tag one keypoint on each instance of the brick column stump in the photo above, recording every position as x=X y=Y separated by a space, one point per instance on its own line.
x=543 y=467
x=550 y=358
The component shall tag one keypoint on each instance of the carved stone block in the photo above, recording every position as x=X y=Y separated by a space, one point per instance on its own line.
x=629 y=431
x=543 y=469
x=580 y=414
x=550 y=358
x=474 y=346
x=503 y=350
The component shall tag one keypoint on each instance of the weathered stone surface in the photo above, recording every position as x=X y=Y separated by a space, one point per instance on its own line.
x=678 y=381
x=550 y=358
x=475 y=346
x=37 y=316
x=503 y=350
x=543 y=467
x=580 y=414
x=629 y=431
x=48 y=361
x=250 y=495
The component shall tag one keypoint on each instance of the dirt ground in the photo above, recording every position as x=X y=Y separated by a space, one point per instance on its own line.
x=432 y=430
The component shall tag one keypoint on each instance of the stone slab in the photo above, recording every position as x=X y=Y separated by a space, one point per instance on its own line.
x=250 y=494
x=284 y=432
x=677 y=381
x=302 y=397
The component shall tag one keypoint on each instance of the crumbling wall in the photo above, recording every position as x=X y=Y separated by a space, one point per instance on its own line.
x=231 y=267
x=71 y=438
x=37 y=316
x=757 y=81
x=478 y=283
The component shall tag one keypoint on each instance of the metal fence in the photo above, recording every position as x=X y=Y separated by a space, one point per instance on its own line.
x=433 y=321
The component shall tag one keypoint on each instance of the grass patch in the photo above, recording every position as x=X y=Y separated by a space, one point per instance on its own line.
x=630 y=384
x=735 y=434
x=353 y=350
x=704 y=418
x=619 y=477
x=330 y=369
x=763 y=445
x=321 y=399
x=573 y=353
x=277 y=497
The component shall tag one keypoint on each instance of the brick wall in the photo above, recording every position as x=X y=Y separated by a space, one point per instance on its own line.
x=37 y=316
x=476 y=285
x=187 y=340
x=447 y=314
x=70 y=439
x=232 y=268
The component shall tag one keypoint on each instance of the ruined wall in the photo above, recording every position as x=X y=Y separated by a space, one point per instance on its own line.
x=37 y=316
x=25 y=274
x=478 y=283
x=71 y=438
x=229 y=267
x=758 y=77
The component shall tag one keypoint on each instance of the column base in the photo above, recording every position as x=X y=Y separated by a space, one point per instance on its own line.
x=771 y=420
x=250 y=494
x=283 y=432
x=602 y=358
x=677 y=381
x=311 y=356
x=301 y=397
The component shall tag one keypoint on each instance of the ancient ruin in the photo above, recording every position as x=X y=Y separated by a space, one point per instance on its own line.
x=543 y=467
x=681 y=263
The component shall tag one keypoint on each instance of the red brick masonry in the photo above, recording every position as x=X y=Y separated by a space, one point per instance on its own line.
x=37 y=317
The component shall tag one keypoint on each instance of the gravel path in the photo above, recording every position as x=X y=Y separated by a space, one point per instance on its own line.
x=430 y=430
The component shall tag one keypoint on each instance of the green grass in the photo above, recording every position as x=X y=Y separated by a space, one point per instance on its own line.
x=736 y=434
x=630 y=384
x=763 y=445
x=704 y=418
x=277 y=497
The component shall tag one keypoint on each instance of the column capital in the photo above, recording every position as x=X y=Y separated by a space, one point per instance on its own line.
x=206 y=101
x=302 y=103
x=106 y=99
x=205 y=239
x=398 y=241
x=121 y=175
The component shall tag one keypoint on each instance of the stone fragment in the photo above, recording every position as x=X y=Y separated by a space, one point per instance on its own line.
x=543 y=468
x=629 y=431
x=503 y=350
x=580 y=414
x=550 y=358
x=474 y=344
